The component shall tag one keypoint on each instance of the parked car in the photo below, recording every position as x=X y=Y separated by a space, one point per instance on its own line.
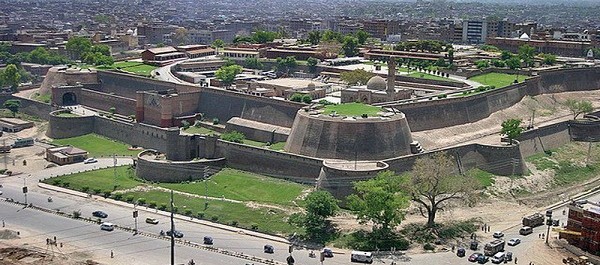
x=508 y=256
x=208 y=240
x=474 y=245
x=151 y=221
x=498 y=234
x=268 y=249
x=107 y=226
x=327 y=252
x=483 y=259
x=475 y=256
x=100 y=214
x=176 y=234
x=514 y=241
x=461 y=252
x=90 y=161
x=498 y=258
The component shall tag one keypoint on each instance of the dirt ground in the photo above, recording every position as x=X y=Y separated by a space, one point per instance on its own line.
x=28 y=249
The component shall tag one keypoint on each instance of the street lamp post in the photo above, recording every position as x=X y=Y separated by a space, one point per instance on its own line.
x=548 y=223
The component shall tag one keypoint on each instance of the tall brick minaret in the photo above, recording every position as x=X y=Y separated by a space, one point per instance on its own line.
x=391 y=77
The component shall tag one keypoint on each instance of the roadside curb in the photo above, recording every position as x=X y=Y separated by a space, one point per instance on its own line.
x=166 y=214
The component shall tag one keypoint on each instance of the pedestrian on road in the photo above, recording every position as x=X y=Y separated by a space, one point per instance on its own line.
x=3 y=224
x=539 y=235
x=54 y=238
x=112 y=254
x=515 y=260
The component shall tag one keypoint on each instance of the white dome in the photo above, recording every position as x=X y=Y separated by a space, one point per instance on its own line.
x=524 y=37
x=376 y=83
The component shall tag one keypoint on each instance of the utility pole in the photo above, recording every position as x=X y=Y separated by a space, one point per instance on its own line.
x=172 y=232
x=115 y=170
x=25 y=189
x=205 y=188
x=135 y=216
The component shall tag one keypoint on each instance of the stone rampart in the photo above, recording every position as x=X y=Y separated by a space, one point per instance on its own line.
x=544 y=138
x=29 y=106
x=126 y=85
x=258 y=131
x=159 y=170
x=224 y=105
x=273 y=163
x=585 y=130
x=66 y=127
x=103 y=101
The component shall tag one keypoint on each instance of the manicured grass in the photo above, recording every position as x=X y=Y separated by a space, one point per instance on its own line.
x=243 y=186
x=254 y=143
x=46 y=98
x=137 y=68
x=352 y=109
x=97 y=145
x=427 y=76
x=200 y=130
x=102 y=179
x=67 y=114
x=277 y=146
x=497 y=79
x=485 y=178
x=265 y=219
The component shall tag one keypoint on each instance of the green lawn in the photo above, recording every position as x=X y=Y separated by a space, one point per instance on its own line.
x=46 y=98
x=352 y=109
x=427 y=76
x=67 y=114
x=485 y=178
x=97 y=145
x=200 y=130
x=137 y=68
x=277 y=146
x=102 y=179
x=497 y=79
x=243 y=186
x=267 y=220
x=254 y=143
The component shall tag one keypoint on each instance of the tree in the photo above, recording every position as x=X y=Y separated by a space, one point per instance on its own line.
x=242 y=39
x=319 y=206
x=286 y=64
x=253 y=63
x=263 y=36
x=296 y=97
x=234 y=136
x=512 y=129
x=513 y=63
x=312 y=64
x=102 y=49
x=548 y=59
x=482 y=64
x=505 y=55
x=307 y=99
x=441 y=62
x=578 y=107
x=498 y=63
x=329 y=35
x=181 y=36
x=361 y=36
x=13 y=105
x=350 y=46
x=433 y=182
x=76 y=46
x=226 y=74
x=11 y=77
x=218 y=43
x=380 y=201
x=314 y=37
x=527 y=53
x=451 y=56
x=356 y=77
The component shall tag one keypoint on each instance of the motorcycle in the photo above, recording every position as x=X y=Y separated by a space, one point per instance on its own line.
x=49 y=199
x=312 y=254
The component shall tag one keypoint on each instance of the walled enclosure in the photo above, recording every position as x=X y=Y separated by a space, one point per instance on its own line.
x=151 y=169
x=317 y=135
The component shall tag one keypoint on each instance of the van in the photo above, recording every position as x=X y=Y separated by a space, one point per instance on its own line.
x=498 y=258
x=360 y=256
x=107 y=226
x=525 y=230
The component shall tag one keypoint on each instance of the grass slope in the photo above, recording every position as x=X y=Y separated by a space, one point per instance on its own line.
x=352 y=109
x=97 y=145
x=102 y=179
x=497 y=79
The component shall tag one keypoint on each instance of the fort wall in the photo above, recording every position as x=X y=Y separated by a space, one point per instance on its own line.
x=103 y=101
x=151 y=169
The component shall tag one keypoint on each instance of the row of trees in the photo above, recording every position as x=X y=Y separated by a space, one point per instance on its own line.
x=432 y=46
x=80 y=48
x=382 y=201
x=525 y=57
x=39 y=55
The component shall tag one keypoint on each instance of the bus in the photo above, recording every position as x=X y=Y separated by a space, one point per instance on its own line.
x=22 y=142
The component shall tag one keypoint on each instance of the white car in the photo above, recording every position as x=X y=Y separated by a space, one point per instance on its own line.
x=90 y=160
x=498 y=234
x=514 y=241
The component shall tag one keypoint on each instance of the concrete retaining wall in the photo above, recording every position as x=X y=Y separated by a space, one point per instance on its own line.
x=66 y=127
x=172 y=171
x=30 y=107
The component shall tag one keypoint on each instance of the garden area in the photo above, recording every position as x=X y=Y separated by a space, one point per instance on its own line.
x=97 y=146
x=427 y=76
x=257 y=200
x=497 y=80
x=352 y=109
x=137 y=68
